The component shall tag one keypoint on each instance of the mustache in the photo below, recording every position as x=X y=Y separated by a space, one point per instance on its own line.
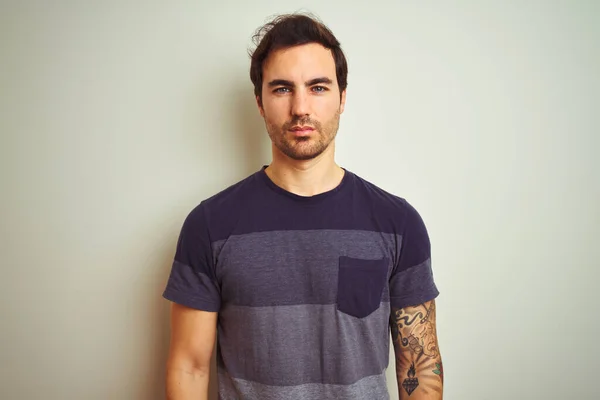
x=302 y=121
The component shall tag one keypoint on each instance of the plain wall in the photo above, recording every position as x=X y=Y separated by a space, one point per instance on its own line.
x=117 y=118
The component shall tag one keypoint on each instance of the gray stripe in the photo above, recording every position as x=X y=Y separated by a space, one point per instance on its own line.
x=369 y=388
x=294 y=345
x=192 y=288
x=413 y=286
x=294 y=267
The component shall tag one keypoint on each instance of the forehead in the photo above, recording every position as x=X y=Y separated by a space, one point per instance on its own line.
x=300 y=63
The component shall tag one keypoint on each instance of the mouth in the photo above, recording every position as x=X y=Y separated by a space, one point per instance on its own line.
x=301 y=131
x=298 y=128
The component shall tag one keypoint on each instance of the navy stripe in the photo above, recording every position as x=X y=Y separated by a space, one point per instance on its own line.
x=251 y=206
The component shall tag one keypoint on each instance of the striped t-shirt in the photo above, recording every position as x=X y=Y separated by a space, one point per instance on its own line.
x=303 y=285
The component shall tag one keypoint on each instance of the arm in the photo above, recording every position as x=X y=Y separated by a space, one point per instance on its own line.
x=193 y=335
x=418 y=362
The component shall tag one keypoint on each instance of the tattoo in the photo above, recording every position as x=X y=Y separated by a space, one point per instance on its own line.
x=419 y=322
x=439 y=370
x=410 y=383
x=418 y=362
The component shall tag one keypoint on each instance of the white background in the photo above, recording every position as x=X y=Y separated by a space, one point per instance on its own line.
x=117 y=118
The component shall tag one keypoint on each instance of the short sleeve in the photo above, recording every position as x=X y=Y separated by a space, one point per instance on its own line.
x=192 y=281
x=411 y=282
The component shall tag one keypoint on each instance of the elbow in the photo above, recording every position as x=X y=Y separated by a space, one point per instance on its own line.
x=190 y=366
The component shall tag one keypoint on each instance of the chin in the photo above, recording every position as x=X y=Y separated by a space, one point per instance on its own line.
x=304 y=155
x=301 y=150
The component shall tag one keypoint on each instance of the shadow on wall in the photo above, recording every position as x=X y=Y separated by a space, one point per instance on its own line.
x=250 y=127
x=250 y=150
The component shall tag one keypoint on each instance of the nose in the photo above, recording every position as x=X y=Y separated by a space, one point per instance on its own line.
x=300 y=104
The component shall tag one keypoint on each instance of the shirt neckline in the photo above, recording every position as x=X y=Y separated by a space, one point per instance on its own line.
x=317 y=198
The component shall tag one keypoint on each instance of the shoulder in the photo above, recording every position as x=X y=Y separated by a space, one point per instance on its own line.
x=229 y=198
x=395 y=214
x=224 y=205
x=386 y=203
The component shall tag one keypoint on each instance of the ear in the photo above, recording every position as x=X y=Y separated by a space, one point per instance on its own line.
x=260 y=108
x=343 y=101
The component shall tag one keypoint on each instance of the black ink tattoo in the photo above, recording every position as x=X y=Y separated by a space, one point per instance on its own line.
x=418 y=363
x=411 y=382
x=413 y=329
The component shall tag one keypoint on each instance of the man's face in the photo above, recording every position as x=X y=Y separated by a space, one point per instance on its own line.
x=301 y=100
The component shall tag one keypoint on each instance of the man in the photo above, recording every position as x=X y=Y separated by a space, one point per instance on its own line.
x=301 y=268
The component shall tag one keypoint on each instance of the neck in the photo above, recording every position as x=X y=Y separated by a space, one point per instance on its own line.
x=306 y=177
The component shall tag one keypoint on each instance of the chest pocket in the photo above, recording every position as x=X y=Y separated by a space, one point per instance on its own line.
x=360 y=285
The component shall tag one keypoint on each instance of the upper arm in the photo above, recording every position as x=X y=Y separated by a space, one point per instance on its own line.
x=194 y=290
x=414 y=330
x=411 y=282
x=413 y=317
x=193 y=281
x=193 y=334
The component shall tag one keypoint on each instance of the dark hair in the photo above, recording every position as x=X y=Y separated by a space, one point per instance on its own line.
x=289 y=30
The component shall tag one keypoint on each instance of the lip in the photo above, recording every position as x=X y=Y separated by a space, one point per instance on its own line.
x=302 y=128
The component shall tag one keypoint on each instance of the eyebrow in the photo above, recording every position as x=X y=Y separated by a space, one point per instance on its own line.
x=315 y=81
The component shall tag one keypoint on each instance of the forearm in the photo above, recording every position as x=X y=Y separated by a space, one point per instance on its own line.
x=187 y=384
x=419 y=368
x=420 y=378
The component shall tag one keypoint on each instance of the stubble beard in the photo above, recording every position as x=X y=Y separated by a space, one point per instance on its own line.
x=304 y=148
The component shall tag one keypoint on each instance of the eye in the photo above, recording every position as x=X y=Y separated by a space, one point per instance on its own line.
x=319 y=89
x=281 y=90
